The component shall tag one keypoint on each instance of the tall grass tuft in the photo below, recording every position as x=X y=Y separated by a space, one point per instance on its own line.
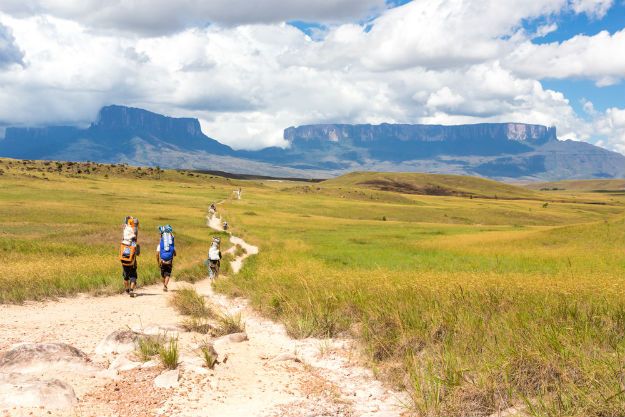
x=149 y=346
x=169 y=354
x=209 y=355
x=228 y=324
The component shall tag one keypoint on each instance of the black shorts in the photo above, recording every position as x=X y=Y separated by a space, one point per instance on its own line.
x=166 y=269
x=129 y=273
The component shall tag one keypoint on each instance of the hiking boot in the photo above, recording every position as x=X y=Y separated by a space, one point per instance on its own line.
x=127 y=290
x=132 y=293
x=165 y=288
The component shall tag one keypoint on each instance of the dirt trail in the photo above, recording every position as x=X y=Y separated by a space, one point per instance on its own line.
x=268 y=375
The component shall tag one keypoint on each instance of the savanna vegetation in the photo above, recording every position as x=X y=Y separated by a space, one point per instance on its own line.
x=60 y=224
x=474 y=304
x=474 y=296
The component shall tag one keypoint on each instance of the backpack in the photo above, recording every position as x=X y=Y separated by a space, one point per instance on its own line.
x=128 y=254
x=167 y=248
x=213 y=253
x=131 y=230
x=129 y=249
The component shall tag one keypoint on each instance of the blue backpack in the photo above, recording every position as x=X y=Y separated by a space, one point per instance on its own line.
x=167 y=248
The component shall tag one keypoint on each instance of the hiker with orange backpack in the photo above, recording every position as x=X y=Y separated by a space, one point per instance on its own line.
x=165 y=252
x=128 y=252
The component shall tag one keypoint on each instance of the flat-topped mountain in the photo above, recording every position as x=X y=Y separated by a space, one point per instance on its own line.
x=496 y=150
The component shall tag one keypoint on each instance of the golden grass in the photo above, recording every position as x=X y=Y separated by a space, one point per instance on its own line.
x=472 y=305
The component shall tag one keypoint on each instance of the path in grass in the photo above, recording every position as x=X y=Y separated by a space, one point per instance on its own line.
x=268 y=375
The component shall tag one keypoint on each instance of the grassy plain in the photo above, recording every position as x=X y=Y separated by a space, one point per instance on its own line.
x=472 y=303
x=60 y=225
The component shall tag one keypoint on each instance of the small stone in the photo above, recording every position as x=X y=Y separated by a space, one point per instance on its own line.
x=237 y=337
x=168 y=379
x=283 y=357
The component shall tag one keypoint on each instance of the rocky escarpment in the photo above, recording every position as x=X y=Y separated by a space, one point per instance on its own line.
x=494 y=132
x=121 y=118
x=496 y=150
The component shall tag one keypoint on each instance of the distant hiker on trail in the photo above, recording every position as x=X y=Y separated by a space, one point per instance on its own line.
x=165 y=252
x=214 y=258
x=225 y=226
x=128 y=252
x=212 y=210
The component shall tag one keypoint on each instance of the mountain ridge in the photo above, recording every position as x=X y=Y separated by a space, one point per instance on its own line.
x=493 y=150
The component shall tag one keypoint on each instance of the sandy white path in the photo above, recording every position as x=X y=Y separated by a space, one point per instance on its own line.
x=268 y=375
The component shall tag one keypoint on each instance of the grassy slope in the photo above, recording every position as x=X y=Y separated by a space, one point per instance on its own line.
x=60 y=235
x=473 y=305
x=579 y=185
x=430 y=184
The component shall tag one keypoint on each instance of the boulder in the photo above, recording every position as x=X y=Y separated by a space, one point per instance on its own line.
x=17 y=390
x=40 y=357
x=168 y=379
x=120 y=341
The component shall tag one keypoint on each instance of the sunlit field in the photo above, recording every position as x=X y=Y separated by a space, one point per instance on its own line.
x=472 y=304
x=476 y=297
x=60 y=230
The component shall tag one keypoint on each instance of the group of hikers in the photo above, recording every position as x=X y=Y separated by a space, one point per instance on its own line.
x=165 y=253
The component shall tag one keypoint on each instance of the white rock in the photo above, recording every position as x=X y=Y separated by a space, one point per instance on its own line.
x=150 y=364
x=122 y=363
x=283 y=357
x=44 y=357
x=18 y=390
x=168 y=379
x=120 y=341
x=237 y=337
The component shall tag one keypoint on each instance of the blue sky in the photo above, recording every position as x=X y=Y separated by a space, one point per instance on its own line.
x=579 y=90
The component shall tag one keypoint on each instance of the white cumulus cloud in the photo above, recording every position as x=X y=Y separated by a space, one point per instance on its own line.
x=434 y=61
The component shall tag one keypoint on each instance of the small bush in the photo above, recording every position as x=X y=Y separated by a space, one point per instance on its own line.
x=148 y=346
x=198 y=325
x=169 y=354
x=209 y=355
x=228 y=324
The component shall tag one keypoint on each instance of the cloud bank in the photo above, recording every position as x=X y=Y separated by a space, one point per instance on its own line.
x=247 y=74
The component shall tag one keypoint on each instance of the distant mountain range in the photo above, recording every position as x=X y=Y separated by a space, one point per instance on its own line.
x=496 y=150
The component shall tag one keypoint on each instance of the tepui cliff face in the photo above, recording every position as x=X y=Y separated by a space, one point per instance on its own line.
x=496 y=150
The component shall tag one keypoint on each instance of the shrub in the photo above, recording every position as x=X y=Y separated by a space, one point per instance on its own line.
x=228 y=324
x=169 y=354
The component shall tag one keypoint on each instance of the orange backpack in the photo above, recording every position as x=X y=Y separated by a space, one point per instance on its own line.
x=128 y=254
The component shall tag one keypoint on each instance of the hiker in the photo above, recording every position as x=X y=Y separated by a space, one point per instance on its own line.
x=165 y=252
x=214 y=258
x=212 y=210
x=128 y=252
x=225 y=226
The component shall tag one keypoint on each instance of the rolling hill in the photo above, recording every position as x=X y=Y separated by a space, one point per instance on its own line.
x=432 y=184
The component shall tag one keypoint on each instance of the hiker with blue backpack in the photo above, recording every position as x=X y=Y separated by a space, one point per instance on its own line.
x=165 y=252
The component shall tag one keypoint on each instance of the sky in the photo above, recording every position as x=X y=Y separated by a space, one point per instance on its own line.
x=247 y=70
